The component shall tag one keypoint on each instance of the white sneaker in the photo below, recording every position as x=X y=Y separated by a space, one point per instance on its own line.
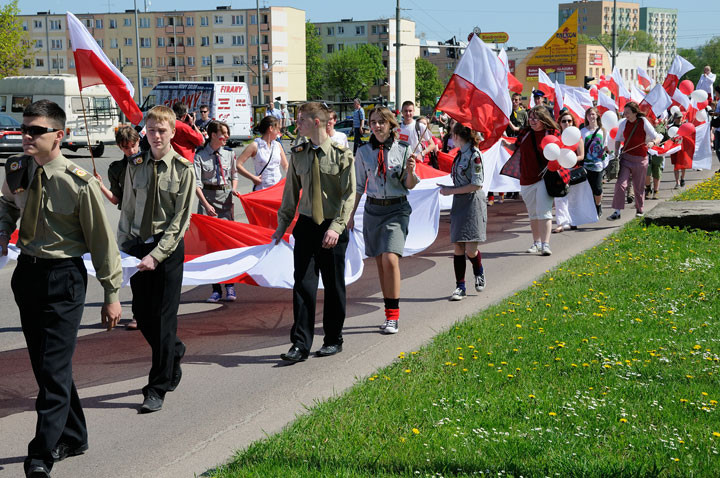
x=639 y=214
x=384 y=325
x=545 y=250
x=458 y=294
x=391 y=327
x=534 y=249
x=480 y=282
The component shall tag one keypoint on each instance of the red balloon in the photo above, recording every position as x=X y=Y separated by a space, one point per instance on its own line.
x=703 y=105
x=594 y=93
x=553 y=166
x=613 y=132
x=602 y=77
x=551 y=138
x=687 y=87
x=685 y=130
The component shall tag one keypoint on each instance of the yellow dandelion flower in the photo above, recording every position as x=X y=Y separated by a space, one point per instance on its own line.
x=402 y=439
x=407 y=370
x=683 y=400
x=675 y=459
x=697 y=347
x=371 y=378
x=716 y=434
x=623 y=420
x=552 y=414
x=704 y=394
x=416 y=431
x=531 y=396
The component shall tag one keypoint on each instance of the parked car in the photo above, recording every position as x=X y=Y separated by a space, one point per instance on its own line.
x=345 y=126
x=10 y=136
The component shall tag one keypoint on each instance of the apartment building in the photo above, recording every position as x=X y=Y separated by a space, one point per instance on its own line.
x=595 y=17
x=202 y=45
x=444 y=55
x=661 y=24
x=336 y=36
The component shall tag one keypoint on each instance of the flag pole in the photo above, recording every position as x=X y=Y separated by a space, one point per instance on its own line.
x=87 y=132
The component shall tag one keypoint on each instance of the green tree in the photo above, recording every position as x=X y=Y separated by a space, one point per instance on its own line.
x=708 y=54
x=314 y=62
x=427 y=85
x=14 y=42
x=350 y=72
x=638 y=41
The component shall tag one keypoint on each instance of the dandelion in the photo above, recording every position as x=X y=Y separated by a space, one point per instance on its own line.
x=531 y=396
x=402 y=439
x=416 y=431
x=716 y=434
x=704 y=394
x=407 y=370
x=552 y=414
x=623 y=420
x=683 y=400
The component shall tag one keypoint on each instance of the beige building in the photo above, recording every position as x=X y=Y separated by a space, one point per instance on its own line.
x=595 y=17
x=346 y=33
x=217 y=45
x=444 y=56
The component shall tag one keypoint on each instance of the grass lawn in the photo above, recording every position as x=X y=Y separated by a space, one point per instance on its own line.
x=607 y=366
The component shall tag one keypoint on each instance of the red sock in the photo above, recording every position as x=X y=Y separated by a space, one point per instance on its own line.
x=392 y=314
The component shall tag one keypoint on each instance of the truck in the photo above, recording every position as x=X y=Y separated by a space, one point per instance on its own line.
x=101 y=111
x=228 y=102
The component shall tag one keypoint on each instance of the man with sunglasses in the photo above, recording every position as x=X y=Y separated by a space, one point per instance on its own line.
x=204 y=119
x=62 y=216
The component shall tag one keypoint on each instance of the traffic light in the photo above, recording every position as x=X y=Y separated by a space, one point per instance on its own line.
x=588 y=79
x=452 y=51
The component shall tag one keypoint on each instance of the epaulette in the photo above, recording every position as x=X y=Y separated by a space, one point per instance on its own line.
x=339 y=146
x=299 y=148
x=16 y=173
x=79 y=172
x=183 y=160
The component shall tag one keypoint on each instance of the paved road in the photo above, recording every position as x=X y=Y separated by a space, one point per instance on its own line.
x=235 y=389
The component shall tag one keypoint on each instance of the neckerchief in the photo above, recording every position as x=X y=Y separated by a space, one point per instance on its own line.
x=382 y=166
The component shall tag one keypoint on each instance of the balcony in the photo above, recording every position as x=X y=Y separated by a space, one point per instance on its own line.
x=176 y=69
x=264 y=27
x=174 y=29
x=265 y=47
x=171 y=49
x=266 y=87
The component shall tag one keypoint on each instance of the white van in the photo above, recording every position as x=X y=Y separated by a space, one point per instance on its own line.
x=103 y=119
x=229 y=102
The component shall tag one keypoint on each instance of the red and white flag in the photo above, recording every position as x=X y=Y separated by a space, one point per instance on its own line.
x=605 y=103
x=513 y=83
x=477 y=94
x=644 y=79
x=655 y=103
x=618 y=88
x=679 y=67
x=680 y=99
x=573 y=106
x=94 y=68
x=636 y=94
x=546 y=85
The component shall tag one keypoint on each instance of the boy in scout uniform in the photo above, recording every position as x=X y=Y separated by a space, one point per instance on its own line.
x=156 y=208
x=62 y=217
x=324 y=171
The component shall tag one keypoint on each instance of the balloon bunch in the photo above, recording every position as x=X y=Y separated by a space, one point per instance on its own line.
x=699 y=96
x=560 y=152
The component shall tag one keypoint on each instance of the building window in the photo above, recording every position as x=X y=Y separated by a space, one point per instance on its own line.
x=190 y=41
x=330 y=31
x=360 y=30
x=341 y=30
x=128 y=42
x=374 y=29
x=147 y=82
x=265 y=39
x=238 y=60
x=219 y=60
x=144 y=22
x=98 y=23
x=38 y=43
x=146 y=62
x=113 y=23
x=99 y=42
x=206 y=60
x=238 y=40
x=37 y=24
x=219 y=39
x=189 y=21
x=58 y=63
x=330 y=48
x=204 y=21
x=253 y=19
x=160 y=22
x=266 y=80
x=253 y=39
x=265 y=18
x=204 y=41
x=191 y=61
x=341 y=47
x=218 y=19
x=55 y=25
x=56 y=44
x=145 y=42
x=161 y=42
x=238 y=20
x=128 y=61
x=219 y=77
x=26 y=64
x=239 y=78
x=127 y=22
x=113 y=43
x=39 y=62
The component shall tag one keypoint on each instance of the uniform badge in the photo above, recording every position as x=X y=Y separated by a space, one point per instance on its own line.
x=15 y=165
x=477 y=168
x=79 y=172
x=478 y=160
x=137 y=160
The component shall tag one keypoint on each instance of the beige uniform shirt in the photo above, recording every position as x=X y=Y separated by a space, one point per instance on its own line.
x=176 y=185
x=71 y=221
x=337 y=177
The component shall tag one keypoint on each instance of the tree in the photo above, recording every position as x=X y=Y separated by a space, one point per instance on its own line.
x=639 y=41
x=314 y=63
x=427 y=85
x=350 y=72
x=708 y=54
x=14 y=42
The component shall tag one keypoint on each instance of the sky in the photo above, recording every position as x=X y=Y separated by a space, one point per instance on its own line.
x=528 y=23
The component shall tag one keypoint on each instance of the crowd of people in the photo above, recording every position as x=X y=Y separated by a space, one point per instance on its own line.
x=181 y=157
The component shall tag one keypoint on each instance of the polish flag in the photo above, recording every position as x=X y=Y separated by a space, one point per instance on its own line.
x=559 y=96
x=636 y=94
x=679 y=67
x=477 y=94
x=605 y=103
x=546 y=85
x=655 y=103
x=581 y=95
x=618 y=88
x=644 y=79
x=94 y=68
x=577 y=110
x=514 y=84
x=680 y=99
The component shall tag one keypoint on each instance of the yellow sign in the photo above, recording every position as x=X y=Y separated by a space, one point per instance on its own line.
x=561 y=48
x=494 y=37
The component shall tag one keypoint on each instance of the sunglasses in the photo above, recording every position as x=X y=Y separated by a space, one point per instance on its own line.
x=566 y=121
x=36 y=130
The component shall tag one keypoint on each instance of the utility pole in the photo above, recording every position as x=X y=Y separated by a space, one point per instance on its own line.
x=137 y=50
x=259 y=54
x=614 y=34
x=398 y=100
x=47 y=39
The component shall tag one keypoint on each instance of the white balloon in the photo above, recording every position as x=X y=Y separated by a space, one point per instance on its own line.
x=551 y=151
x=567 y=158
x=699 y=95
x=674 y=109
x=609 y=120
x=605 y=91
x=571 y=136
x=672 y=131
x=701 y=116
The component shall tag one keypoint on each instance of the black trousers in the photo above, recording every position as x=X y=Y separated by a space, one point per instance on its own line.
x=51 y=299
x=310 y=258
x=156 y=299
x=357 y=142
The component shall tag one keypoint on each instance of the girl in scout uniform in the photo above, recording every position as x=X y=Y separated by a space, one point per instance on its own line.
x=468 y=216
x=385 y=171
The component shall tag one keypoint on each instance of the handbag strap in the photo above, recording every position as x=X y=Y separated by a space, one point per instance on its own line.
x=537 y=156
x=632 y=131
x=587 y=142
x=272 y=148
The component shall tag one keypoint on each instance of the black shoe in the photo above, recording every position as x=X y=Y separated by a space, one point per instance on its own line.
x=599 y=210
x=152 y=403
x=294 y=355
x=63 y=450
x=37 y=471
x=630 y=199
x=177 y=370
x=327 y=350
x=682 y=183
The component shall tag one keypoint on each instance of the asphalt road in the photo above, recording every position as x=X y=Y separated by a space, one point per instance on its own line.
x=235 y=389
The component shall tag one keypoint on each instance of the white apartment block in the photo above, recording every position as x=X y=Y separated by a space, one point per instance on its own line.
x=661 y=24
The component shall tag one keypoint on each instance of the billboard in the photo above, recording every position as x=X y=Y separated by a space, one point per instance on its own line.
x=561 y=49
